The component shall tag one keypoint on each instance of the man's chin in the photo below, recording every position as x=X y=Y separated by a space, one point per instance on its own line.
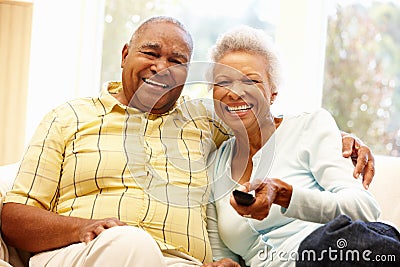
x=160 y=110
x=154 y=108
x=154 y=103
x=162 y=106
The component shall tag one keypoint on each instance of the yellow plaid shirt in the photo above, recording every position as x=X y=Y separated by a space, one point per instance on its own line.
x=96 y=158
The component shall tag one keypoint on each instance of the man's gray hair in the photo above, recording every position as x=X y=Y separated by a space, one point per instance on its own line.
x=171 y=20
x=254 y=41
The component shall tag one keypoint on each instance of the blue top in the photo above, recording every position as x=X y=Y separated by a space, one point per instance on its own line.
x=306 y=152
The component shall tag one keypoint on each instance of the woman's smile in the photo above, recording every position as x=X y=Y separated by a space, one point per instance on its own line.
x=239 y=110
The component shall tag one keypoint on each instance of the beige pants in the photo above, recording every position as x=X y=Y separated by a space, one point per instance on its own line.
x=118 y=246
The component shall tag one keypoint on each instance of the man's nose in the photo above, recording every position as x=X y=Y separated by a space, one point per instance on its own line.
x=160 y=66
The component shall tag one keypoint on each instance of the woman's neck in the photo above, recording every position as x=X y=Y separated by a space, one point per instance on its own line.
x=247 y=144
x=250 y=141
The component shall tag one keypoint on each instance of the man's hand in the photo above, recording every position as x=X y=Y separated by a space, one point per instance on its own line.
x=95 y=227
x=35 y=230
x=222 y=263
x=361 y=156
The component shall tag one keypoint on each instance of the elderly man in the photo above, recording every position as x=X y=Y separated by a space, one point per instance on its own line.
x=120 y=179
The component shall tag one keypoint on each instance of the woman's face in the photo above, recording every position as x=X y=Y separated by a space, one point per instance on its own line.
x=242 y=92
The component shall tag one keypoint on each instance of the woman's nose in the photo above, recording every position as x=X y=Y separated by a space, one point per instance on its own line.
x=236 y=90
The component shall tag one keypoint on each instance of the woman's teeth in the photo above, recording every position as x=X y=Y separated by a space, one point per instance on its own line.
x=239 y=108
x=163 y=85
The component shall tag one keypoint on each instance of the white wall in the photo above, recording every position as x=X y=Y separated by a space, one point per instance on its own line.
x=66 y=50
x=300 y=37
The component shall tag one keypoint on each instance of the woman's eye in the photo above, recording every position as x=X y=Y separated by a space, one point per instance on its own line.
x=247 y=82
x=251 y=81
x=223 y=83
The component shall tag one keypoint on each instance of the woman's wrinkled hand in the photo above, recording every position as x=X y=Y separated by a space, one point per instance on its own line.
x=271 y=191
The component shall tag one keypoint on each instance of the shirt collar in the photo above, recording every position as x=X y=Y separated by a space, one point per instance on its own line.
x=106 y=102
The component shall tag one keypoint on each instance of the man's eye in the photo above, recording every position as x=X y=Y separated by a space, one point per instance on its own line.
x=149 y=53
x=176 y=61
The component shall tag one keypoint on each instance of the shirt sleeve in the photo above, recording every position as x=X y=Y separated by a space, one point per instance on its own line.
x=339 y=192
x=219 y=249
x=219 y=130
x=41 y=166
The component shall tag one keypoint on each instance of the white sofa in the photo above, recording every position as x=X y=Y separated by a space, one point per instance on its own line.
x=385 y=187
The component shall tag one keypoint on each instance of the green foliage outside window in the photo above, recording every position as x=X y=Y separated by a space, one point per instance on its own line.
x=362 y=73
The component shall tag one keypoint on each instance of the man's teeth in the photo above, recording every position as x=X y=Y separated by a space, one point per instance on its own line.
x=239 y=108
x=163 y=85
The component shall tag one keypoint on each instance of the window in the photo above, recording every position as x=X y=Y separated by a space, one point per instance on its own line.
x=362 y=72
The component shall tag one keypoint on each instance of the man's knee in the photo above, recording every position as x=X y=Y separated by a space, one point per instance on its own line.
x=127 y=236
x=124 y=246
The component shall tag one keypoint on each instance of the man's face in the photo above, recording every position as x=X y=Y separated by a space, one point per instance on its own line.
x=154 y=67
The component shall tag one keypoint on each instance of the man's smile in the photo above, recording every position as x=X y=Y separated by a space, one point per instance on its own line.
x=155 y=83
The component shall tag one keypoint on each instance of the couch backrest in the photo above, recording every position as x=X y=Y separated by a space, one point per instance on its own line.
x=386 y=187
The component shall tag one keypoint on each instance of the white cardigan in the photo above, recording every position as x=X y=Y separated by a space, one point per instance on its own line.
x=306 y=152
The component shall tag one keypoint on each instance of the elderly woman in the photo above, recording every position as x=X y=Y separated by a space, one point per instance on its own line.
x=301 y=181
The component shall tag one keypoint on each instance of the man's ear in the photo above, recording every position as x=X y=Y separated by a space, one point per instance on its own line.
x=125 y=52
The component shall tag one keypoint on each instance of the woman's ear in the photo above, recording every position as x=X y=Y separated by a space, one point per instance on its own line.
x=273 y=97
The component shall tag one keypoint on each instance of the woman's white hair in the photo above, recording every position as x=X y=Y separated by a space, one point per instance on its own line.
x=250 y=40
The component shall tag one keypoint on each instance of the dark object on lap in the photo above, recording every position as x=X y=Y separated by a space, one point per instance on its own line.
x=343 y=242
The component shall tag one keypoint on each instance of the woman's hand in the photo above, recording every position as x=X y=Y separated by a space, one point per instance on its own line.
x=222 y=263
x=361 y=156
x=271 y=191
